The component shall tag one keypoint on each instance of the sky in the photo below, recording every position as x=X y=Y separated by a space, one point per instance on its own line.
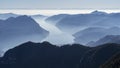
x=60 y=4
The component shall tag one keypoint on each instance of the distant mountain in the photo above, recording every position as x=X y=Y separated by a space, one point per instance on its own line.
x=7 y=15
x=97 y=56
x=89 y=34
x=111 y=20
x=14 y=31
x=56 y=18
x=99 y=13
x=79 y=21
x=38 y=16
x=114 y=62
x=94 y=33
x=43 y=55
x=107 y=39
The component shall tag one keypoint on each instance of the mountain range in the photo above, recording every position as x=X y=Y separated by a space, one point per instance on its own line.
x=46 y=55
x=55 y=18
x=79 y=21
x=4 y=16
x=94 y=33
x=43 y=55
x=14 y=31
x=114 y=62
x=85 y=28
x=106 y=39
x=96 y=41
x=99 y=55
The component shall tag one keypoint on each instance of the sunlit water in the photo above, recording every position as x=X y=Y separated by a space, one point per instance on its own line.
x=56 y=36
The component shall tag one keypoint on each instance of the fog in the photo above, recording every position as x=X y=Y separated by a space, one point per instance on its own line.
x=56 y=36
x=52 y=12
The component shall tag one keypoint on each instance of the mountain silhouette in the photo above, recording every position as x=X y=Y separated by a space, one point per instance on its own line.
x=43 y=55
x=107 y=39
x=114 y=62
x=46 y=55
x=38 y=16
x=4 y=16
x=99 y=13
x=94 y=33
x=14 y=31
x=97 y=56
x=111 y=20
x=79 y=21
x=56 y=18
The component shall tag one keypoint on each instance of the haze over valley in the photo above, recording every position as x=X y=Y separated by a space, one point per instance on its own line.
x=59 y=40
x=59 y=33
x=83 y=28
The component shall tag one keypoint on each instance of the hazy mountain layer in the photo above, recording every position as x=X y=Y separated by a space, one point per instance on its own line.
x=7 y=15
x=14 y=31
x=106 y=39
x=94 y=34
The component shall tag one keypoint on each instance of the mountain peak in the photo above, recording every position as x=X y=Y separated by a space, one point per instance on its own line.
x=9 y=14
x=98 y=12
x=112 y=36
x=22 y=18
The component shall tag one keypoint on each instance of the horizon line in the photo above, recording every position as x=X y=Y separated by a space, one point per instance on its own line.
x=59 y=8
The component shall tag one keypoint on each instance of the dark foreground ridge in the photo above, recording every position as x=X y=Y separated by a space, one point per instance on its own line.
x=114 y=62
x=46 y=55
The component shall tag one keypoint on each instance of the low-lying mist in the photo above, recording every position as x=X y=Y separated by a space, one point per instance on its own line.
x=56 y=36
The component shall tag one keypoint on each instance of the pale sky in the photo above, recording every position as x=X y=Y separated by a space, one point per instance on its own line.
x=58 y=4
